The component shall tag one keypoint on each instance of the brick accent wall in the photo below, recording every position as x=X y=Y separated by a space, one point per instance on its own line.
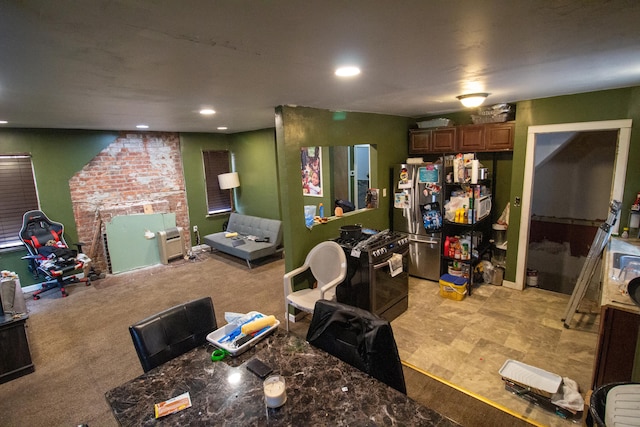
x=136 y=170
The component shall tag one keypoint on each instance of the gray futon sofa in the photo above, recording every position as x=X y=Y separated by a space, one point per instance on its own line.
x=249 y=244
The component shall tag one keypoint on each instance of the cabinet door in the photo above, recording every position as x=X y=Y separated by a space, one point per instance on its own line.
x=499 y=136
x=616 y=351
x=471 y=138
x=419 y=141
x=443 y=140
x=15 y=358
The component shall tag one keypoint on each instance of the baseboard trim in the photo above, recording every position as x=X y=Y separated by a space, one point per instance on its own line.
x=474 y=395
x=200 y=248
x=37 y=286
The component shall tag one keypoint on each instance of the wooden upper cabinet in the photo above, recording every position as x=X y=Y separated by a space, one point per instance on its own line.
x=471 y=138
x=499 y=136
x=481 y=137
x=486 y=137
x=443 y=140
x=419 y=141
x=427 y=141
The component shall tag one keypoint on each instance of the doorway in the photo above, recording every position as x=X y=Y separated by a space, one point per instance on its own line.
x=623 y=127
x=570 y=200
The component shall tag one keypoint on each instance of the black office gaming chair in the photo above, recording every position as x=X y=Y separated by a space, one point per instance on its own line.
x=49 y=255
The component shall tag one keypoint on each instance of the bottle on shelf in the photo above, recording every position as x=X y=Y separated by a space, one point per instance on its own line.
x=321 y=210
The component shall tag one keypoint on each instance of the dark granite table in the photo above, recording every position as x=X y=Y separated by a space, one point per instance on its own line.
x=321 y=390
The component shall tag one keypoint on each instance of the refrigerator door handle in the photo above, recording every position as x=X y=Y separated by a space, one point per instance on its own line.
x=430 y=241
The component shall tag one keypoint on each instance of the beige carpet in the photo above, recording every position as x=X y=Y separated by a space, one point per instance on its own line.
x=81 y=346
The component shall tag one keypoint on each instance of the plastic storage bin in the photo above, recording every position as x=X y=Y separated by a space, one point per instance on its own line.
x=218 y=336
x=453 y=287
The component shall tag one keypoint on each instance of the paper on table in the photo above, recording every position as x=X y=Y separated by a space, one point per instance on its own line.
x=173 y=405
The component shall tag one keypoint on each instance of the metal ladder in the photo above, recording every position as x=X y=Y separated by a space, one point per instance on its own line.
x=588 y=269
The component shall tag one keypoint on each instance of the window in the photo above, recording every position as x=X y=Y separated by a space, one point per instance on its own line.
x=17 y=196
x=216 y=163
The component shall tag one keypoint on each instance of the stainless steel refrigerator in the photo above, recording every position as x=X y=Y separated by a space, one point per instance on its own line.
x=417 y=211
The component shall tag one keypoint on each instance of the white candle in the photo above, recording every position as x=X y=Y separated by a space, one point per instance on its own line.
x=275 y=393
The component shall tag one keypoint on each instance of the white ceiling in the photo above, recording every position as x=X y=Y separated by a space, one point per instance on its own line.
x=111 y=64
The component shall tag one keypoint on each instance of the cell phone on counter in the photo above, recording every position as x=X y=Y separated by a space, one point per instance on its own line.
x=259 y=368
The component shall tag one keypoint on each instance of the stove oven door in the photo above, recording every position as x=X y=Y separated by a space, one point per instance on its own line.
x=389 y=294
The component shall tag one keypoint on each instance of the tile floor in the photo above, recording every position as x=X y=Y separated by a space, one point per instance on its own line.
x=466 y=342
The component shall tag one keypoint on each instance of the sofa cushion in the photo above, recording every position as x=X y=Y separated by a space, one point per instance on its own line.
x=247 y=225
x=241 y=246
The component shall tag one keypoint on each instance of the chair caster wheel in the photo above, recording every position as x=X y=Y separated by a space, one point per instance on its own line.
x=36 y=297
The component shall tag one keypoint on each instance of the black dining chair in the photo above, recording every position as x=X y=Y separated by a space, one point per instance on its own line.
x=172 y=332
x=359 y=338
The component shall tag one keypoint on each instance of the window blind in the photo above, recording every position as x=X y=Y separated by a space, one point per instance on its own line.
x=17 y=196
x=216 y=163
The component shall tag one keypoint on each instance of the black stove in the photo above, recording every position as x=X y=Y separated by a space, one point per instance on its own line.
x=377 y=246
x=371 y=282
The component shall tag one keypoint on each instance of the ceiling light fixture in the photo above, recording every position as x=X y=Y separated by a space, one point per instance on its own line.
x=222 y=128
x=472 y=99
x=348 y=71
x=207 y=111
x=3 y=122
x=142 y=126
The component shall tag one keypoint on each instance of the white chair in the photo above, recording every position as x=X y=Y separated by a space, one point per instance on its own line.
x=328 y=265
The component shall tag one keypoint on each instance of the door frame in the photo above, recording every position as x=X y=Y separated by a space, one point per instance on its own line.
x=619 y=175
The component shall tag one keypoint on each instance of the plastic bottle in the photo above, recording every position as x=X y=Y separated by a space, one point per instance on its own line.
x=625 y=233
x=321 y=210
x=447 y=243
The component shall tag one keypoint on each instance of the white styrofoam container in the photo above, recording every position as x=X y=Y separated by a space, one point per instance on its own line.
x=215 y=336
x=538 y=380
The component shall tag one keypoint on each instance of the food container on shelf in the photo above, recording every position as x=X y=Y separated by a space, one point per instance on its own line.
x=434 y=123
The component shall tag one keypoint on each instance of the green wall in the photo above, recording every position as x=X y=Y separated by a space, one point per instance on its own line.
x=269 y=165
x=254 y=156
x=298 y=127
x=56 y=155
x=191 y=146
x=593 y=106
x=256 y=164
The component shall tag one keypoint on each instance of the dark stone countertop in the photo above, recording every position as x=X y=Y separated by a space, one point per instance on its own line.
x=321 y=390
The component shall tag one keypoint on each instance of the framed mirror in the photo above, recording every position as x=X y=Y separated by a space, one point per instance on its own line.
x=343 y=174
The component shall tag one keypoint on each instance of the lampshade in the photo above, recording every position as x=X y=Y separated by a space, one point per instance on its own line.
x=229 y=180
x=472 y=99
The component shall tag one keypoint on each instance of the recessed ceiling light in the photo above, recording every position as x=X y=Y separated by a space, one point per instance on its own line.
x=348 y=71
x=3 y=122
x=222 y=128
x=207 y=111
x=142 y=126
